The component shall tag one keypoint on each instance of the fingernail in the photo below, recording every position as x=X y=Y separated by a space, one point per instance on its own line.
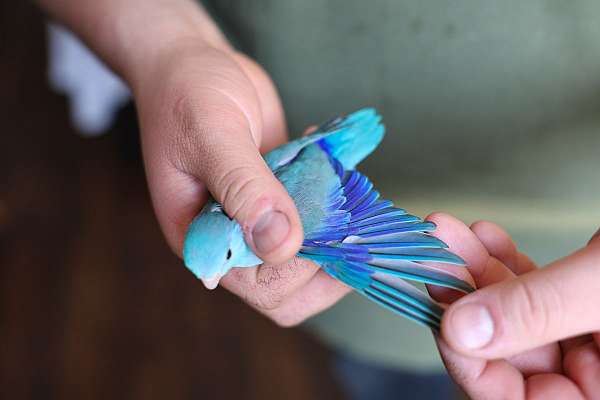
x=270 y=231
x=472 y=326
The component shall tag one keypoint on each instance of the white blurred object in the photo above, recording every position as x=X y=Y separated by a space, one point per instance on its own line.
x=95 y=93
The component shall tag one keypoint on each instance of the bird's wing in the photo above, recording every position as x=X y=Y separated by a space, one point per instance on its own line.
x=371 y=245
x=389 y=291
x=349 y=139
x=353 y=137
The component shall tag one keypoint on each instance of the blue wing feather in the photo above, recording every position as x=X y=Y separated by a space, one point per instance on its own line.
x=388 y=216
x=380 y=207
x=355 y=137
x=390 y=292
x=349 y=139
x=354 y=234
x=373 y=246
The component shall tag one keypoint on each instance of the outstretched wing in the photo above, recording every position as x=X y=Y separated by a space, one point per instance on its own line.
x=349 y=139
x=372 y=246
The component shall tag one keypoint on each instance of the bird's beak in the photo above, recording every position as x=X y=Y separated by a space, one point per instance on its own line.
x=212 y=282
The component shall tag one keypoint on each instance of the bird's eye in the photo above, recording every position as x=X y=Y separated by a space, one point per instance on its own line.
x=228 y=254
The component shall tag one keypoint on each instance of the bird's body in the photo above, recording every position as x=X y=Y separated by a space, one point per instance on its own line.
x=355 y=236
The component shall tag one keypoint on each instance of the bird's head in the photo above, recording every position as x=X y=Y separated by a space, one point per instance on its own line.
x=214 y=244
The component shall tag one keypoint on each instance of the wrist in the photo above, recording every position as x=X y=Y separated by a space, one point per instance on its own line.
x=132 y=36
x=141 y=51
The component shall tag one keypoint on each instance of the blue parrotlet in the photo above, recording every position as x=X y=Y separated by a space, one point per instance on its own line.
x=349 y=231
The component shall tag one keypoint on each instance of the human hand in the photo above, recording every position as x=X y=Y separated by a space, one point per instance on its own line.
x=206 y=113
x=542 y=341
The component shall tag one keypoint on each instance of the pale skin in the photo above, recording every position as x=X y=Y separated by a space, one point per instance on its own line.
x=207 y=112
x=544 y=338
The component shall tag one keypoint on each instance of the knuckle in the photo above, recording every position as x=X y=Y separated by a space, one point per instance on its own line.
x=273 y=284
x=270 y=286
x=535 y=308
x=238 y=187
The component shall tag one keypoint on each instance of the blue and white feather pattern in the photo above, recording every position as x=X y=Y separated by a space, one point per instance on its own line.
x=350 y=231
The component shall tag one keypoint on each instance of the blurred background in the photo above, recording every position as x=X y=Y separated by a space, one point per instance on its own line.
x=494 y=114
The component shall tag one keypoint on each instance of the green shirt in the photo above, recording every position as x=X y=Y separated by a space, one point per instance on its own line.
x=491 y=111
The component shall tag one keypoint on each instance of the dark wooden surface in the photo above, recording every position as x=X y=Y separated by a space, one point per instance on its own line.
x=92 y=303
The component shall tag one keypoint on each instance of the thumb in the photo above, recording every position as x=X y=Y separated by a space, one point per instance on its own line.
x=537 y=308
x=228 y=162
x=202 y=121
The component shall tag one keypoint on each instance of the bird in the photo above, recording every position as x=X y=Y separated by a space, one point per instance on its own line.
x=350 y=231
